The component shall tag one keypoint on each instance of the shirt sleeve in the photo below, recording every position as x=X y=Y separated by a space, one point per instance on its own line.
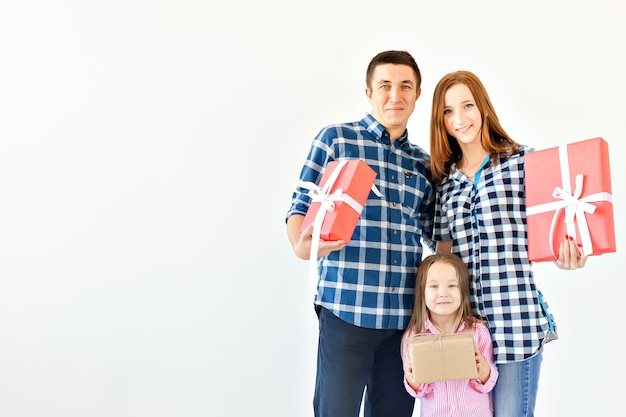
x=485 y=345
x=320 y=153
x=427 y=219
x=422 y=390
x=441 y=228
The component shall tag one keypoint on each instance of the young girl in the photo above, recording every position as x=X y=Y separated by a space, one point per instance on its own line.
x=481 y=216
x=442 y=306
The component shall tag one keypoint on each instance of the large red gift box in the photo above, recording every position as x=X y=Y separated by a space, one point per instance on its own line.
x=568 y=192
x=342 y=192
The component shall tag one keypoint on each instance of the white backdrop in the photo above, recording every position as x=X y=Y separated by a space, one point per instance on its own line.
x=147 y=154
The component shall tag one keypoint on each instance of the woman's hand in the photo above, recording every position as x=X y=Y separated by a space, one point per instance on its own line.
x=570 y=257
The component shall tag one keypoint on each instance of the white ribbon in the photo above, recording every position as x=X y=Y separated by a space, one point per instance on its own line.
x=575 y=206
x=327 y=204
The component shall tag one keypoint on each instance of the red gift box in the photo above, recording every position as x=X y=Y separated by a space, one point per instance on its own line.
x=342 y=193
x=568 y=192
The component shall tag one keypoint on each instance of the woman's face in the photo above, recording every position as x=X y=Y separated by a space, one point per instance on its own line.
x=461 y=116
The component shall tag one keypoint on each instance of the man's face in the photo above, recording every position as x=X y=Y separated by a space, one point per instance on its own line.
x=393 y=93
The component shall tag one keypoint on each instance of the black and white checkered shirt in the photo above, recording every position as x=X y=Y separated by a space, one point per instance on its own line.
x=486 y=219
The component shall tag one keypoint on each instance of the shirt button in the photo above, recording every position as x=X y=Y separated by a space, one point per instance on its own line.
x=395 y=261
x=393 y=204
x=395 y=232
x=393 y=177
x=393 y=289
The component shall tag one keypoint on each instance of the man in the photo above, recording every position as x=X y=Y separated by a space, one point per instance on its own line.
x=365 y=289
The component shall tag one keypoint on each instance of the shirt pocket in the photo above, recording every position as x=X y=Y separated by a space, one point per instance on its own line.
x=412 y=188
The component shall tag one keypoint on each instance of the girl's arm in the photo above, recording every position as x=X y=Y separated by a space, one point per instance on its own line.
x=486 y=378
x=482 y=366
x=422 y=389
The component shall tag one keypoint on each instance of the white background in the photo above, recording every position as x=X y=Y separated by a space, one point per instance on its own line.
x=148 y=150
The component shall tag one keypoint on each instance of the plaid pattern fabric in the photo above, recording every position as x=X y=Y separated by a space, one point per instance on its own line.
x=370 y=283
x=486 y=220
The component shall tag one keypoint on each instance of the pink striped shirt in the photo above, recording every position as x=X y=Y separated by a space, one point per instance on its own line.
x=464 y=398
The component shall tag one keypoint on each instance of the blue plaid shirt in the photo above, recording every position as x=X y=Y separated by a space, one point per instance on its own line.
x=370 y=282
x=486 y=219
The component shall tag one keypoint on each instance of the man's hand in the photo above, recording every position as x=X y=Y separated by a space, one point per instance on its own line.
x=301 y=242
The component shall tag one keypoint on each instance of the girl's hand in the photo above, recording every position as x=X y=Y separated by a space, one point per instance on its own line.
x=482 y=366
x=408 y=370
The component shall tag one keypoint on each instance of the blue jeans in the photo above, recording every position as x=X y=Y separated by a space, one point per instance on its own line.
x=516 y=389
x=351 y=358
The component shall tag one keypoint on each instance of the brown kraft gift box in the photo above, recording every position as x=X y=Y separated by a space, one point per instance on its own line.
x=442 y=357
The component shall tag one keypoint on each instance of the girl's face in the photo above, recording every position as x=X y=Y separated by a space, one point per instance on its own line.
x=442 y=293
x=461 y=115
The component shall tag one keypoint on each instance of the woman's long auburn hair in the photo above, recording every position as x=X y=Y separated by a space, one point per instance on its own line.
x=444 y=149
x=465 y=314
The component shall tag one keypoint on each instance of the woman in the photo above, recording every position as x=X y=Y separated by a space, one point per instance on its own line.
x=481 y=216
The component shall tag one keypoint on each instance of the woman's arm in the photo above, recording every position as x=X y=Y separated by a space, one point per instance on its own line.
x=445 y=246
